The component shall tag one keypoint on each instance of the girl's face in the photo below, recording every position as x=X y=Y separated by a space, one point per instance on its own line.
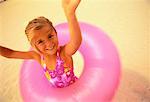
x=45 y=40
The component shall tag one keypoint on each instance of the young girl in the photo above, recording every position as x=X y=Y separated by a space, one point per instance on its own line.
x=56 y=60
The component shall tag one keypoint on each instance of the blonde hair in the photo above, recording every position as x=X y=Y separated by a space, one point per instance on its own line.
x=36 y=24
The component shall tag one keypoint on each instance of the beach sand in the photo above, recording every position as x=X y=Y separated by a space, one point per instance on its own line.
x=133 y=88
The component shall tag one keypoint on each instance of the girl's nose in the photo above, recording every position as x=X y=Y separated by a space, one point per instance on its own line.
x=49 y=43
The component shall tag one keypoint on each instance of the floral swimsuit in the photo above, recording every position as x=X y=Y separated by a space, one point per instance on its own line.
x=61 y=76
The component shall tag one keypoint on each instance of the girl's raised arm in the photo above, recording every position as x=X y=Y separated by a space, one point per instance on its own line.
x=75 y=33
x=9 y=53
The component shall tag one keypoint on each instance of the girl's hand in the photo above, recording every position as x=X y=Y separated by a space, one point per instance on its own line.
x=70 y=6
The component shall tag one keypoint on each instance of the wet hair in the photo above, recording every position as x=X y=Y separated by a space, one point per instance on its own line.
x=37 y=24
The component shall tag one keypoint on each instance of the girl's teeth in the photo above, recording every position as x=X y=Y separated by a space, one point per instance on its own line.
x=51 y=47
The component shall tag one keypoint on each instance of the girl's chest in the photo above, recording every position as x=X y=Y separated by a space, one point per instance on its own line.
x=67 y=63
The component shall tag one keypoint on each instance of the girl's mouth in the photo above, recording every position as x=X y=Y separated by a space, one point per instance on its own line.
x=51 y=48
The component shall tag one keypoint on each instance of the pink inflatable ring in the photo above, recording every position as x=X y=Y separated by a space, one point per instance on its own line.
x=97 y=83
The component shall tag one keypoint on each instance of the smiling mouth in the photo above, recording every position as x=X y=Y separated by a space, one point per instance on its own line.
x=51 y=48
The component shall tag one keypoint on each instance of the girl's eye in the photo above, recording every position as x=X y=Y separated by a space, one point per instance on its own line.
x=39 y=42
x=50 y=36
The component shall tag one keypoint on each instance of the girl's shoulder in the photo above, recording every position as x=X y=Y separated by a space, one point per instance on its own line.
x=61 y=50
x=36 y=56
x=64 y=55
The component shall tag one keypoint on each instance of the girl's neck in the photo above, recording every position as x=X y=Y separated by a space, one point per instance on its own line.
x=47 y=56
x=50 y=57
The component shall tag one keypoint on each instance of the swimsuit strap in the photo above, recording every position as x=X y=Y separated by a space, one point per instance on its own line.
x=45 y=68
x=42 y=61
x=58 y=52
